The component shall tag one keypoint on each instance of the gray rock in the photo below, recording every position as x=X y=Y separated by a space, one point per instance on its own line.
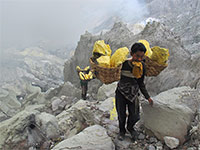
x=106 y=105
x=48 y=124
x=94 y=137
x=141 y=136
x=153 y=140
x=32 y=148
x=106 y=91
x=14 y=131
x=171 y=142
x=191 y=148
x=9 y=105
x=59 y=104
x=34 y=96
x=198 y=85
x=159 y=146
x=67 y=89
x=172 y=113
x=151 y=147
x=3 y=116
x=56 y=103
x=76 y=118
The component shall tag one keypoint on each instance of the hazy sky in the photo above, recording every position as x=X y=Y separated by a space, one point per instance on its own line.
x=25 y=22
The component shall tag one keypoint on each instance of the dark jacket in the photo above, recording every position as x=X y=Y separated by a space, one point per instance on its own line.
x=129 y=85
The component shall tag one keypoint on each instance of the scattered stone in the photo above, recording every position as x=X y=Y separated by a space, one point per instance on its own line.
x=171 y=142
x=141 y=136
x=191 y=148
x=151 y=147
x=32 y=148
x=159 y=146
x=153 y=140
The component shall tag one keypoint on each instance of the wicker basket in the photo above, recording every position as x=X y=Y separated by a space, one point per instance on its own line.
x=106 y=75
x=152 y=67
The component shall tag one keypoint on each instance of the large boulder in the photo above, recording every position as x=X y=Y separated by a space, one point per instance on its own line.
x=172 y=112
x=94 y=137
x=66 y=89
x=33 y=96
x=20 y=131
x=48 y=124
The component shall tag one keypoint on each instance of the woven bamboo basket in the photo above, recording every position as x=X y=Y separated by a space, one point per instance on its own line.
x=152 y=67
x=106 y=75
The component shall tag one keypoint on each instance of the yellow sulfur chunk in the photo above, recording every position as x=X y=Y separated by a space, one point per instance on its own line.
x=119 y=57
x=113 y=112
x=102 y=48
x=147 y=46
x=104 y=61
x=160 y=55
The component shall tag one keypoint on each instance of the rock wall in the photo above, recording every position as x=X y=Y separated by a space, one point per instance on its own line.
x=182 y=68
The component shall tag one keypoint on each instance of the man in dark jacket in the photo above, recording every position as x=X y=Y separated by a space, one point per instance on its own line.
x=132 y=80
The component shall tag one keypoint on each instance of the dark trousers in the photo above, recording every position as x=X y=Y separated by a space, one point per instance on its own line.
x=133 y=112
x=84 y=87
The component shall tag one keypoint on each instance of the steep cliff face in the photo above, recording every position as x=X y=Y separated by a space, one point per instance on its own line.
x=181 y=70
x=182 y=17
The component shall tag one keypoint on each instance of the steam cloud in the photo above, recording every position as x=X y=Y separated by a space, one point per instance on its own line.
x=26 y=22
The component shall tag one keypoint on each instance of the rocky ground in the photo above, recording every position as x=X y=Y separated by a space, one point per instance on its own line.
x=61 y=122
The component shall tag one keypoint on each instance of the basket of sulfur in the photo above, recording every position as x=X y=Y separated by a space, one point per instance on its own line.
x=155 y=59
x=107 y=68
